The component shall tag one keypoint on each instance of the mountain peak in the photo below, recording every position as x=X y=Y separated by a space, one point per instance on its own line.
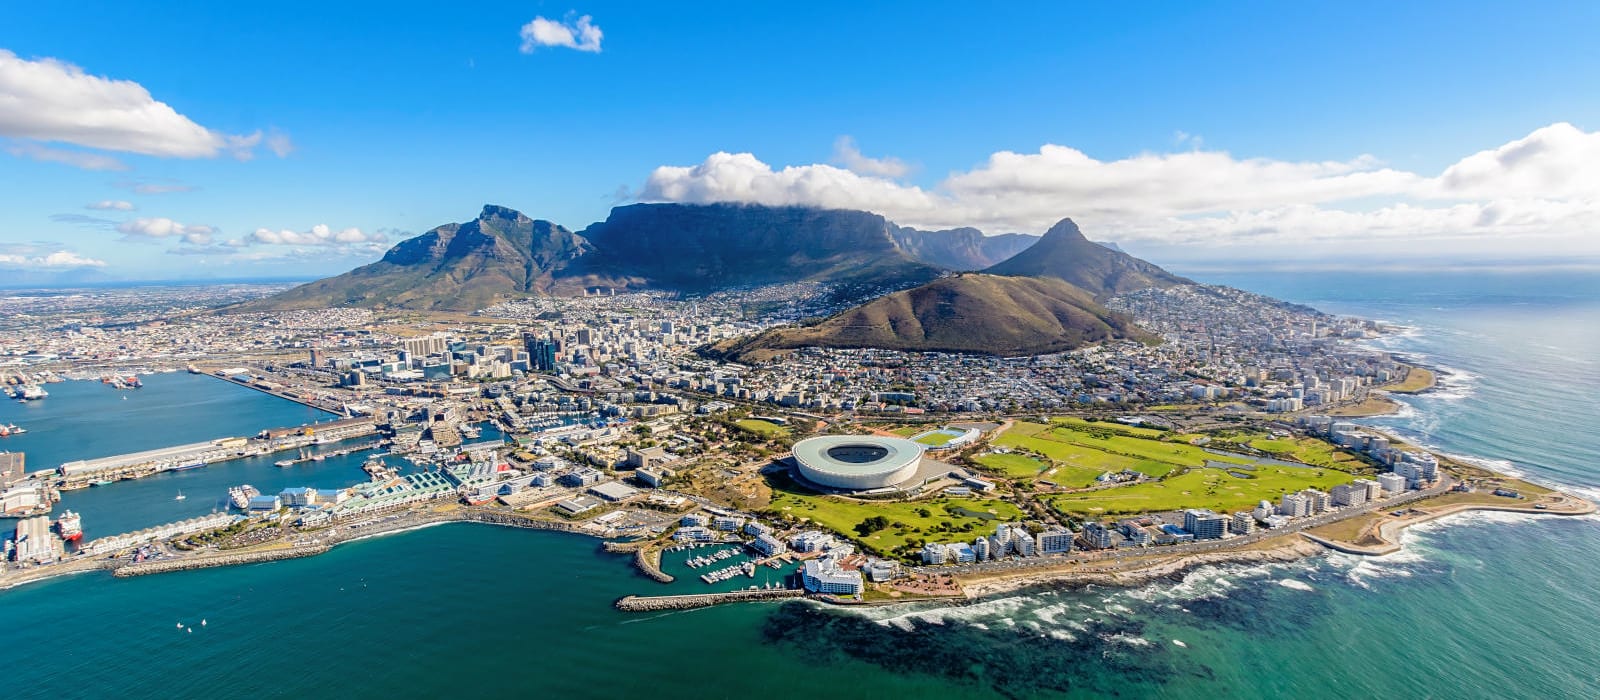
x=1064 y=253
x=495 y=211
x=1064 y=229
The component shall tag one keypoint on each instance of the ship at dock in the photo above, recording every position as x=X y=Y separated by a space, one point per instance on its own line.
x=239 y=496
x=69 y=526
x=31 y=392
x=11 y=429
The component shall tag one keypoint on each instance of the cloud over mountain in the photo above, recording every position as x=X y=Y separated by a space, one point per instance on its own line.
x=1540 y=189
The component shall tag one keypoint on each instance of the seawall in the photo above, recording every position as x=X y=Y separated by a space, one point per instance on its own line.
x=634 y=603
x=188 y=563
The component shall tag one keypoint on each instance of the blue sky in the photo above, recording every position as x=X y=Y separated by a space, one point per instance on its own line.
x=1194 y=134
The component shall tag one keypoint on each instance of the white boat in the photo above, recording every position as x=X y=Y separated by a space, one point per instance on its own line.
x=284 y=463
x=180 y=496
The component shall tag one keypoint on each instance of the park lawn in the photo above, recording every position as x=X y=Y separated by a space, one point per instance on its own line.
x=909 y=430
x=762 y=428
x=842 y=515
x=1312 y=451
x=1087 y=457
x=1200 y=488
x=1078 y=477
x=1123 y=428
x=1179 y=453
x=936 y=439
x=1013 y=465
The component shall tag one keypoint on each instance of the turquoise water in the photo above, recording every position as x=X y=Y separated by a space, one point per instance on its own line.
x=1479 y=606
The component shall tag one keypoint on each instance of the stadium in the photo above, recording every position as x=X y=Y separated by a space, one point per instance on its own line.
x=857 y=462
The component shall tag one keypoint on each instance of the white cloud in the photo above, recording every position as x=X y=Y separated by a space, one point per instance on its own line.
x=1539 y=191
x=845 y=153
x=50 y=100
x=319 y=235
x=76 y=159
x=110 y=205
x=56 y=260
x=582 y=34
x=162 y=227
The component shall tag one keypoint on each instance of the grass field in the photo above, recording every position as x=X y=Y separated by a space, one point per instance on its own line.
x=1309 y=451
x=1133 y=430
x=938 y=439
x=945 y=516
x=1417 y=379
x=762 y=428
x=1200 y=488
x=909 y=430
x=1013 y=465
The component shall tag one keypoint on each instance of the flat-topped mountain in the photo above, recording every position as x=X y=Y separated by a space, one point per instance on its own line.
x=701 y=248
x=1063 y=253
x=973 y=313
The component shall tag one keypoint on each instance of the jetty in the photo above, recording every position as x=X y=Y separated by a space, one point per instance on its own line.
x=634 y=603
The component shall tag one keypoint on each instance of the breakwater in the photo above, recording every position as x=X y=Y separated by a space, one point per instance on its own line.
x=190 y=563
x=634 y=603
x=514 y=520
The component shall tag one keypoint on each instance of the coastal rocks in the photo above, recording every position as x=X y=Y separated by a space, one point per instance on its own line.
x=649 y=563
x=634 y=603
x=189 y=563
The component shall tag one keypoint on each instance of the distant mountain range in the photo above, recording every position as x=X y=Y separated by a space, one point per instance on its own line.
x=1036 y=294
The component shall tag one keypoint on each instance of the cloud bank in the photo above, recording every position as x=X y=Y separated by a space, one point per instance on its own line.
x=582 y=34
x=40 y=257
x=1542 y=190
x=47 y=100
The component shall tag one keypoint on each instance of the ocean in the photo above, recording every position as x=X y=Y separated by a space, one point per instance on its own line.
x=1481 y=605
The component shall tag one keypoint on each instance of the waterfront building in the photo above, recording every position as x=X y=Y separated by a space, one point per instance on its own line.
x=1056 y=541
x=1097 y=536
x=1348 y=494
x=1204 y=524
x=756 y=528
x=693 y=520
x=768 y=545
x=728 y=523
x=1243 y=523
x=825 y=575
x=934 y=553
x=1374 y=489
x=265 y=503
x=1295 y=505
x=961 y=553
x=1318 y=501
x=34 y=542
x=980 y=548
x=1392 y=483
x=694 y=534
x=298 y=497
x=1022 y=542
x=811 y=541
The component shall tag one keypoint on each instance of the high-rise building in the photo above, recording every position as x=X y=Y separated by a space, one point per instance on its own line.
x=1097 y=536
x=1204 y=524
x=541 y=352
x=316 y=357
x=1053 y=542
x=1392 y=483
x=1294 y=505
x=1348 y=494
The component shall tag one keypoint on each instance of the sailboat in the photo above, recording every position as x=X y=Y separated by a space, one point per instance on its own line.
x=180 y=496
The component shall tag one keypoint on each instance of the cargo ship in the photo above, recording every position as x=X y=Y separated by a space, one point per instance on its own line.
x=239 y=496
x=69 y=526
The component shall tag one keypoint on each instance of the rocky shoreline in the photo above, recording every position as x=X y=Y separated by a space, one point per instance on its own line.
x=191 y=563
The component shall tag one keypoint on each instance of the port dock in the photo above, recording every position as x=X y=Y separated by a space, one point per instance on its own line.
x=86 y=472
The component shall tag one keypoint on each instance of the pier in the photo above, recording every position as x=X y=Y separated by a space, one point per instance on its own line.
x=84 y=472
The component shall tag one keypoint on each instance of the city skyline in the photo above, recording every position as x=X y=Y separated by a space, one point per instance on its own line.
x=1195 y=137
